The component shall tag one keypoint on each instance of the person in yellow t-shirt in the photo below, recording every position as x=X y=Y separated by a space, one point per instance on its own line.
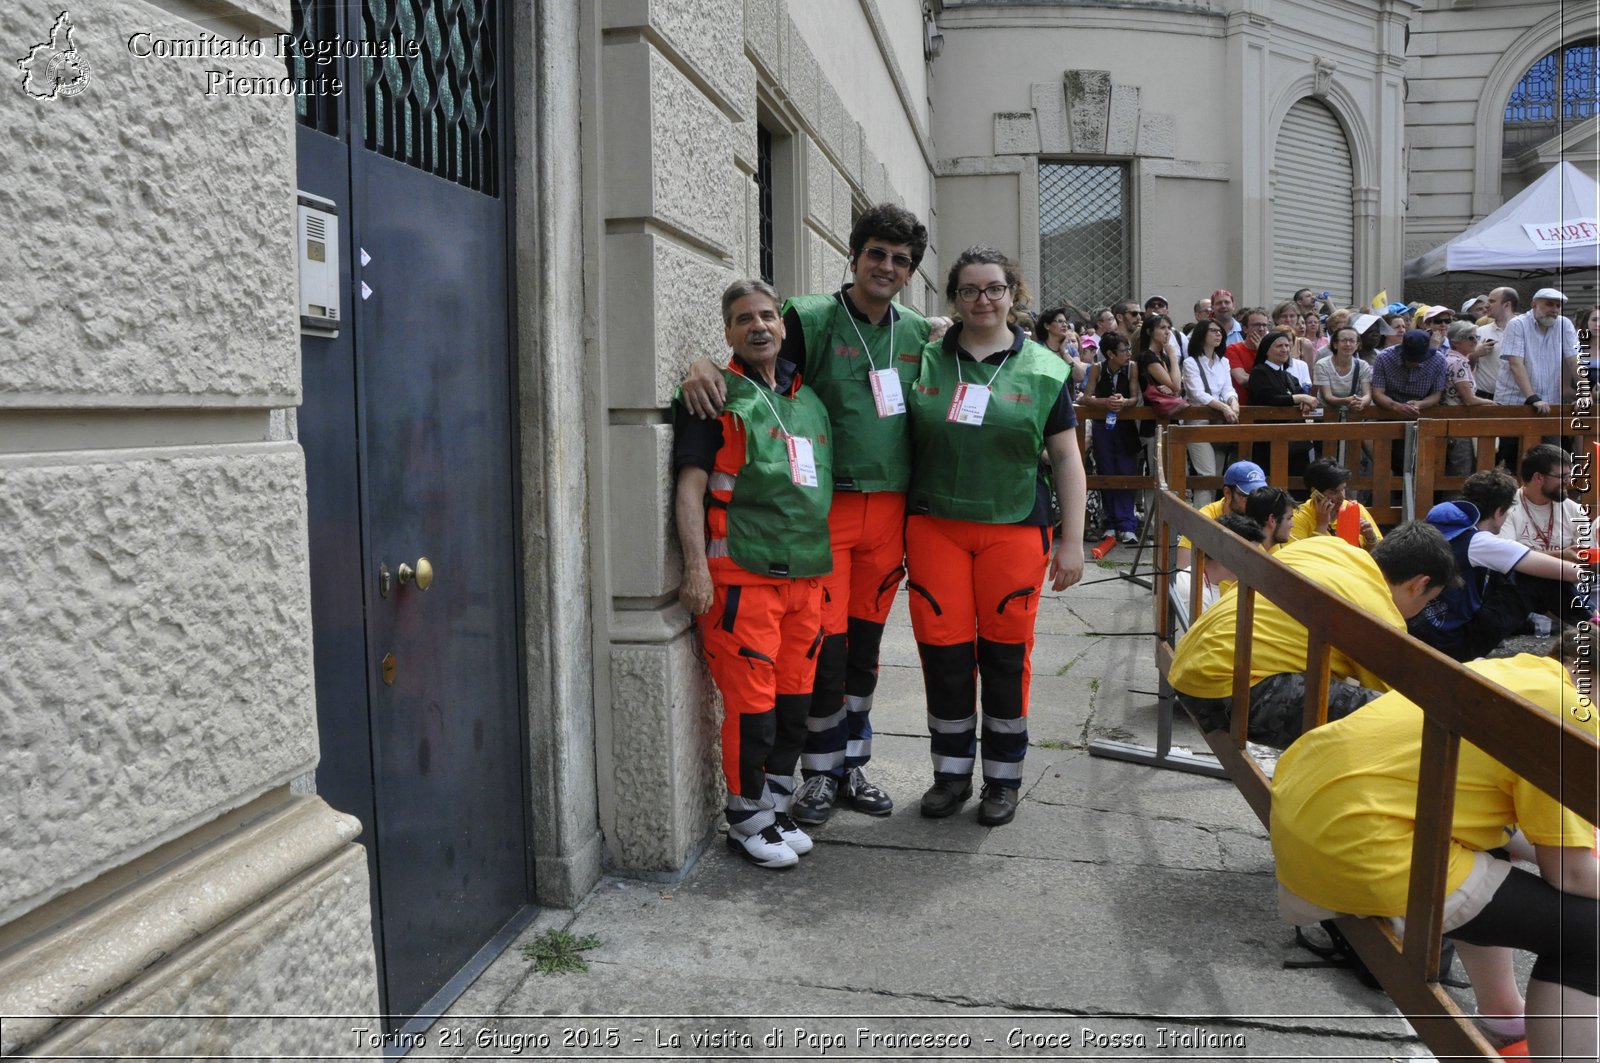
x=1321 y=514
x=1393 y=582
x=1272 y=508
x=1239 y=482
x=1344 y=805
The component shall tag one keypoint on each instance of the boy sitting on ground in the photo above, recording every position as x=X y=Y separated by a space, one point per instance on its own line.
x=1393 y=582
x=1490 y=604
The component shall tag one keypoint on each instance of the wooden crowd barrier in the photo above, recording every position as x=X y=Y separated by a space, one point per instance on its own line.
x=1380 y=482
x=1485 y=426
x=1097 y=481
x=1278 y=427
x=1458 y=705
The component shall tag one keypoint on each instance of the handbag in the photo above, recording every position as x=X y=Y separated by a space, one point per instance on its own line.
x=1165 y=405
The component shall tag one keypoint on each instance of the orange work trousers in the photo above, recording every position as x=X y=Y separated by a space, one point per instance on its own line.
x=974 y=599
x=761 y=642
x=866 y=532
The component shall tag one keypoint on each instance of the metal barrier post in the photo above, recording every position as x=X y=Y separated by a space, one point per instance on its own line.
x=1163 y=755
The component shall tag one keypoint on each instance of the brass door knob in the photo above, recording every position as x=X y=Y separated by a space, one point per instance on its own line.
x=423 y=573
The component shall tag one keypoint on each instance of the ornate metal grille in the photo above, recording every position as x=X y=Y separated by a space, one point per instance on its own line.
x=764 y=197
x=1083 y=234
x=312 y=20
x=1559 y=90
x=437 y=111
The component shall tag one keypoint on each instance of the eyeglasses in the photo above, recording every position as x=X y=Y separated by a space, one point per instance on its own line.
x=1440 y=322
x=878 y=256
x=994 y=292
x=1257 y=326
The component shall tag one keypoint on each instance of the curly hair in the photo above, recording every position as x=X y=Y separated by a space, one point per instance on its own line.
x=893 y=224
x=987 y=256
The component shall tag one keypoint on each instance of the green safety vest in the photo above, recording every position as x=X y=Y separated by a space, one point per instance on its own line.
x=872 y=453
x=776 y=527
x=984 y=473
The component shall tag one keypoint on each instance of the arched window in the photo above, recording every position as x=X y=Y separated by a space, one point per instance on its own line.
x=1557 y=92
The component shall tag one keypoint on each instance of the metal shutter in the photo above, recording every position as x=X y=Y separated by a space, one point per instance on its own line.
x=1313 y=230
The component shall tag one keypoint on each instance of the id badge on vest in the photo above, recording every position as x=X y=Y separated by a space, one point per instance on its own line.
x=886 y=393
x=802 y=462
x=968 y=404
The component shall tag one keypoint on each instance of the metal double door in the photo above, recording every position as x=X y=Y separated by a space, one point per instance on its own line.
x=411 y=465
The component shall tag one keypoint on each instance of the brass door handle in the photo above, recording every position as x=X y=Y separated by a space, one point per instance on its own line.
x=423 y=573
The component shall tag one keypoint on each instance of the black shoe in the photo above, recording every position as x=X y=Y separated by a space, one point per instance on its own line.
x=999 y=805
x=864 y=796
x=813 y=802
x=944 y=798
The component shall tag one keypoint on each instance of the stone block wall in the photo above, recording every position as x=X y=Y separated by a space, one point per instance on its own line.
x=156 y=608
x=679 y=84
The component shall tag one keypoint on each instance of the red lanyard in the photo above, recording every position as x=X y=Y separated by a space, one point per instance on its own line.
x=1548 y=535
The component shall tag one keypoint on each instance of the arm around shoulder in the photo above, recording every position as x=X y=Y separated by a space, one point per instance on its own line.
x=704 y=389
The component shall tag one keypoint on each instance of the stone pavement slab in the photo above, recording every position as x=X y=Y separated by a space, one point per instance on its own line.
x=1121 y=900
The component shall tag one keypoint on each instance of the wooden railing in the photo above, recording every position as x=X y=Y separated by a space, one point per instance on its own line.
x=1279 y=426
x=1457 y=705
x=1381 y=482
x=1484 y=425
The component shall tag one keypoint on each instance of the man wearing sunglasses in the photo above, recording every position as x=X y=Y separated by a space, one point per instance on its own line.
x=860 y=352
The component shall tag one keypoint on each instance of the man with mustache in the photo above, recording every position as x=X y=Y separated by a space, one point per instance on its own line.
x=860 y=351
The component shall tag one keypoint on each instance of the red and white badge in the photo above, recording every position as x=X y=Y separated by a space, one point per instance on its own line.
x=802 y=461
x=886 y=393
x=968 y=404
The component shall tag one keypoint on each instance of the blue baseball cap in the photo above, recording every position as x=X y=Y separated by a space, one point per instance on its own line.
x=1244 y=476
x=1453 y=518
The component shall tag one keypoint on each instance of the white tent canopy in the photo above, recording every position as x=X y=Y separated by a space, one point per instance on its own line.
x=1552 y=225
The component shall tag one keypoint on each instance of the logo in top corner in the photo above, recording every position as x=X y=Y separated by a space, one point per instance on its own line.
x=55 y=67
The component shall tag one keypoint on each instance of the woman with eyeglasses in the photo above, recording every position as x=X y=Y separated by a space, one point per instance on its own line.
x=1207 y=382
x=986 y=401
x=1344 y=380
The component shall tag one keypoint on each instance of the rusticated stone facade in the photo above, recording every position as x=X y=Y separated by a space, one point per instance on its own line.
x=157 y=699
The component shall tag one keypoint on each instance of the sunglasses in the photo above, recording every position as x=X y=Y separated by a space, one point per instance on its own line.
x=878 y=256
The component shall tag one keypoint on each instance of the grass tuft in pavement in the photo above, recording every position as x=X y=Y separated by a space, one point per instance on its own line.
x=558 y=952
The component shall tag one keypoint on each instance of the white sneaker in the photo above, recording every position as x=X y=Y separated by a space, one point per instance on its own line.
x=792 y=835
x=765 y=848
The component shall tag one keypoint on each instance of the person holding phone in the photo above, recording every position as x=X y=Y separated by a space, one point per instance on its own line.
x=1329 y=512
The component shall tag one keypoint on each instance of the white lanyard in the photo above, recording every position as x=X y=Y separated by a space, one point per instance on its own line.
x=885 y=383
x=802 y=456
x=968 y=403
x=762 y=391
x=990 y=384
x=862 y=339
